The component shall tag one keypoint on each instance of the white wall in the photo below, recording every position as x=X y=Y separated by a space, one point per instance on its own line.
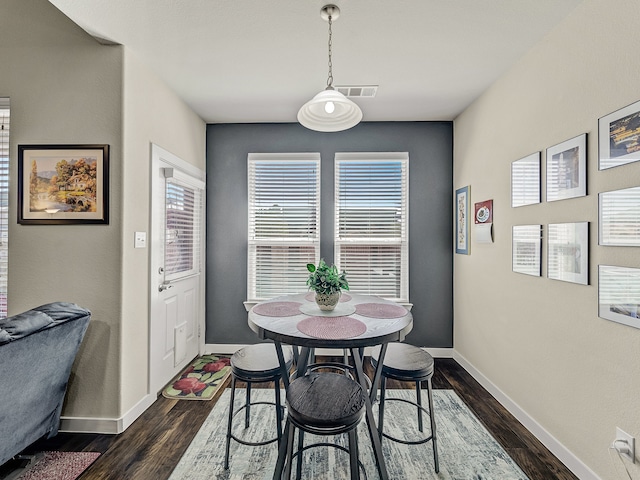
x=152 y=114
x=65 y=88
x=539 y=340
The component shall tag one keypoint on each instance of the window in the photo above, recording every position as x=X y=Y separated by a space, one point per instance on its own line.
x=284 y=216
x=4 y=202
x=371 y=222
x=183 y=210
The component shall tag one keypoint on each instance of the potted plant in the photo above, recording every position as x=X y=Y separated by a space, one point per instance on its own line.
x=328 y=284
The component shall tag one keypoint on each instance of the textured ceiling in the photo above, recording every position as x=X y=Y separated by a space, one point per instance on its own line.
x=260 y=60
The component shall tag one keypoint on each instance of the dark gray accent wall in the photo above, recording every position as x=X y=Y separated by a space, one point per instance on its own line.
x=430 y=147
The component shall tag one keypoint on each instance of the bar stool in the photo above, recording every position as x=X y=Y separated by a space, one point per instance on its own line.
x=407 y=363
x=255 y=364
x=323 y=404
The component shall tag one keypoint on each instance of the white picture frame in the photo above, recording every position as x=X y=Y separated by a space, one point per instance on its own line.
x=619 y=294
x=525 y=180
x=619 y=217
x=568 y=252
x=619 y=137
x=567 y=169
x=526 y=249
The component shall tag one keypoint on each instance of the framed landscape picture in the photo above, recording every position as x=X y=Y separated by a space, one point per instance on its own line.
x=526 y=245
x=462 y=220
x=525 y=180
x=567 y=169
x=568 y=252
x=619 y=294
x=63 y=184
x=619 y=137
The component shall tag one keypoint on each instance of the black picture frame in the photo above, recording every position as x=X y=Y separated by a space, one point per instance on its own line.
x=63 y=184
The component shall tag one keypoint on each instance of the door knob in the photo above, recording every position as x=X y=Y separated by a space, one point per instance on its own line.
x=164 y=286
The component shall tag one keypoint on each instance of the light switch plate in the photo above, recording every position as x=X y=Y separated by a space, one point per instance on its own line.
x=140 y=240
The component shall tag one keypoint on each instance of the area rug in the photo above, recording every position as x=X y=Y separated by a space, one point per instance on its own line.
x=466 y=449
x=60 y=466
x=200 y=380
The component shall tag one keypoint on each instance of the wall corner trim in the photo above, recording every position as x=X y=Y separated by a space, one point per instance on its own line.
x=572 y=462
x=106 y=425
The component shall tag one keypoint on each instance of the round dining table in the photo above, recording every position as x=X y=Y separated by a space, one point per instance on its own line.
x=358 y=321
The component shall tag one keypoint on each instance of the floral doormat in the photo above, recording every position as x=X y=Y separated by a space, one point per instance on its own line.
x=200 y=380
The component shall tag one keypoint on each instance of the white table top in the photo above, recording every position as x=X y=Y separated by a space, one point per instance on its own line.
x=285 y=328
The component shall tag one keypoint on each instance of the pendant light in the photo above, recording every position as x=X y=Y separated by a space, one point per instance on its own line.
x=329 y=110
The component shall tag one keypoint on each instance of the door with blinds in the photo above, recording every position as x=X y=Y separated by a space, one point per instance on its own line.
x=177 y=309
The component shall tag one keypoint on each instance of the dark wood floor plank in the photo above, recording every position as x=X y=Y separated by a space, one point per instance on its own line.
x=153 y=445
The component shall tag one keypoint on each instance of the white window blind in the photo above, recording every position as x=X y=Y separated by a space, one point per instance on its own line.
x=183 y=206
x=371 y=222
x=4 y=202
x=284 y=222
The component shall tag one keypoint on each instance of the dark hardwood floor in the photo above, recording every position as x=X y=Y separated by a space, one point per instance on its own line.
x=151 y=447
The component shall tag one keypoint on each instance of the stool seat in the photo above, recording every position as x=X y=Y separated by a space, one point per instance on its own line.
x=258 y=361
x=321 y=404
x=325 y=400
x=405 y=362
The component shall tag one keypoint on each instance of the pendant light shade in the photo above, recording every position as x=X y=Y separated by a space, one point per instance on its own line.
x=329 y=110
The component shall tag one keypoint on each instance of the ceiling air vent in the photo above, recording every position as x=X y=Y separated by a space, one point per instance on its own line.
x=358 y=91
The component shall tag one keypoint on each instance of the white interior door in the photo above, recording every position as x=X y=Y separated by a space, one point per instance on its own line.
x=177 y=281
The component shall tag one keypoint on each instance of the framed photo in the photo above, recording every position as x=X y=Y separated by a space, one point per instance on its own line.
x=525 y=180
x=619 y=294
x=526 y=245
x=567 y=169
x=619 y=137
x=619 y=217
x=483 y=212
x=63 y=184
x=568 y=252
x=462 y=220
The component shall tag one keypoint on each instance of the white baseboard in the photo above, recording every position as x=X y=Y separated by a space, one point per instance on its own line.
x=106 y=425
x=572 y=462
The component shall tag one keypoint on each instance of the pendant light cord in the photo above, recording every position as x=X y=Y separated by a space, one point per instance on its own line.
x=330 y=78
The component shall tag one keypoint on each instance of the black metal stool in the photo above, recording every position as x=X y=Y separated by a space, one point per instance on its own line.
x=323 y=404
x=255 y=364
x=407 y=363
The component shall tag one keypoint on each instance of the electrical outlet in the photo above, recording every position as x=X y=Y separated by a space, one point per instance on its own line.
x=629 y=442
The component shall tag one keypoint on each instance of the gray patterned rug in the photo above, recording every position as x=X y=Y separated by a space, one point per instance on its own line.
x=466 y=450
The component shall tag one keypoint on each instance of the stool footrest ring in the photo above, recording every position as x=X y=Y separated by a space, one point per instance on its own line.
x=254 y=444
x=407 y=442
x=333 y=445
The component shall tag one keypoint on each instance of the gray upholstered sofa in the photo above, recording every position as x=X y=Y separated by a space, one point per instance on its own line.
x=37 y=349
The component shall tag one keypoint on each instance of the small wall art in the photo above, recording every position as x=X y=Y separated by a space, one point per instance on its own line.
x=462 y=220
x=567 y=169
x=619 y=217
x=525 y=180
x=619 y=294
x=63 y=184
x=483 y=219
x=568 y=252
x=526 y=245
x=619 y=137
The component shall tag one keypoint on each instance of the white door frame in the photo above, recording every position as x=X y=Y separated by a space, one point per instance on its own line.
x=158 y=155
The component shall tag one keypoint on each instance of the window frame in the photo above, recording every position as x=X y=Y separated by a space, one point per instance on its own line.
x=402 y=241
x=253 y=241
